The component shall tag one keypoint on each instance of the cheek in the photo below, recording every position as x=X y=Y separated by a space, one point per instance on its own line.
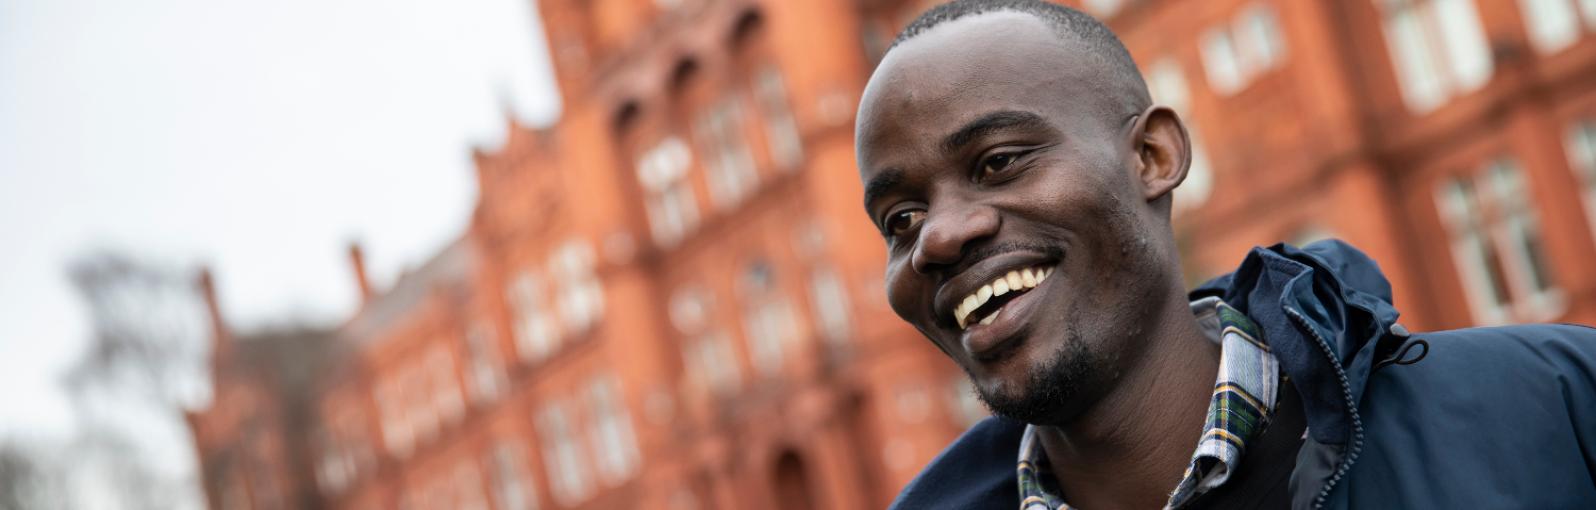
x=905 y=293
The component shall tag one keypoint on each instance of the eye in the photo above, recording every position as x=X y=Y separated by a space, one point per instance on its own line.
x=997 y=163
x=904 y=221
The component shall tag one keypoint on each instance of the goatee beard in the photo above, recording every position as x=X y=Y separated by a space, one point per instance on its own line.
x=1049 y=394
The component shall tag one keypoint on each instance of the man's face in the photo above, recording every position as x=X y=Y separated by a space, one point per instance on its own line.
x=1004 y=179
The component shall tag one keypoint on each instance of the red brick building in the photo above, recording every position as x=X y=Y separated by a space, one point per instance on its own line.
x=671 y=298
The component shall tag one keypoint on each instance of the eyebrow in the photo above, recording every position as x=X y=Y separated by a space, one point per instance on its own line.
x=988 y=124
x=881 y=184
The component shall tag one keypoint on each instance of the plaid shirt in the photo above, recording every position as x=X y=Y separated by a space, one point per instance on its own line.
x=1243 y=400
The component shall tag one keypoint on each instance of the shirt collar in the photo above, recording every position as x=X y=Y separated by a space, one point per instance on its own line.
x=1244 y=398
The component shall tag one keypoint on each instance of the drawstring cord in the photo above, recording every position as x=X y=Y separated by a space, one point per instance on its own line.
x=1401 y=356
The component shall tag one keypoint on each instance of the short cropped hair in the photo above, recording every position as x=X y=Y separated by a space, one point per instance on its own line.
x=1067 y=22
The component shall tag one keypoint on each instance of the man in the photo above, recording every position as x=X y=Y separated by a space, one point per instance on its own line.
x=1022 y=179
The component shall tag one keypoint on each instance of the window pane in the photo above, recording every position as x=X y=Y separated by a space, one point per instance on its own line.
x=1527 y=238
x=535 y=332
x=1582 y=151
x=781 y=131
x=671 y=205
x=1552 y=24
x=1581 y=146
x=1492 y=262
x=1410 y=53
x=1167 y=83
x=1258 y=34
x=1466 y=48
x=1520 y=231
x=1587 y=9
x=830 y=302
x=512 y=487
x=613 y=442
x=1219 y=61
x=486 y=372
x=731 y=165
x=1478 y=265
x=567 y=472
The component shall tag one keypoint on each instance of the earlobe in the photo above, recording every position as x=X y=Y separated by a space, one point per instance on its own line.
x=1164 y=151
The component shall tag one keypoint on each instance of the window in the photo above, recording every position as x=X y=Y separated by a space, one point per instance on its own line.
x=781 y=131
x=568 y=475
x=446 y=403
x=423 y=418
x=396 y=433
x=1496 y=241
x=1221 y=62
x=672 y=206
x=830 y=301
x=535 y=334
x=1581 y=146
x=1235 y=55
x=581 y=294
x=1167 y=83
x=467 y=487
x=486 y=372
x=707 y=354
x=614 y=445
x=344 y=452
x=768 y=319
x=1555 y=24
x=1103 y=8
x=512 y=485
x=728 y=160
x=1552 y=24
x=1438 y=47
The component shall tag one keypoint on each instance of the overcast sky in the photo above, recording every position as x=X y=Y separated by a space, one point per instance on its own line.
x=258 y=137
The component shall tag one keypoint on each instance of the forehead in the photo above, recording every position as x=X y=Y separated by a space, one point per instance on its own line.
x=960 y=70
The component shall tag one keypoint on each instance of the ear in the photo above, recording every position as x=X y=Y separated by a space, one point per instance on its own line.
x=1162 y=150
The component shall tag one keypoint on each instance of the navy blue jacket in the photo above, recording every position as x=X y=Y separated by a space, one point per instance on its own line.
x=1486 y=418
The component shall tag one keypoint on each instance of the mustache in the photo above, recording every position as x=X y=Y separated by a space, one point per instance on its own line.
x=985 y=252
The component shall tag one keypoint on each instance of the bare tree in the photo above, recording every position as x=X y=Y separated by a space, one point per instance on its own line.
x=143 y=365
x=30 y=478
x=148 y=330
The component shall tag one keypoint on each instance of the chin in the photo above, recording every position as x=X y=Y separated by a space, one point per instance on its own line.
x=1047 y=393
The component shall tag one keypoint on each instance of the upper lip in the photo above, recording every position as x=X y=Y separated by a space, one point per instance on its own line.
x=951 y=293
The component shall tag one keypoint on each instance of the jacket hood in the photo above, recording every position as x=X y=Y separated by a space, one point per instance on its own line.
x=1322 y=309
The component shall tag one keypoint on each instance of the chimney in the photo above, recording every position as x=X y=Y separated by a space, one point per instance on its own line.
x=357 y=260
x=220 y=336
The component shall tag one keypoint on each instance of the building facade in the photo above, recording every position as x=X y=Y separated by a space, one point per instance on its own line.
x=671 y=298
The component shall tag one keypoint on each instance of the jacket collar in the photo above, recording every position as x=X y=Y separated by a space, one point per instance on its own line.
x=1322 y=309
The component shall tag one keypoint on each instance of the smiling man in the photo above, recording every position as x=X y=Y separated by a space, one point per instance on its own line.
x=1022 y=179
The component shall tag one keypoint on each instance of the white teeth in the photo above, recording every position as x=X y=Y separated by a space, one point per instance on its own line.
x=1014 y=281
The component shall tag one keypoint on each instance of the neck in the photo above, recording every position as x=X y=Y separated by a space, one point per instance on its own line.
x=1131 y=447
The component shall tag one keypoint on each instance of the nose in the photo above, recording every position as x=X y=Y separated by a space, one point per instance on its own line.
x=948 y=232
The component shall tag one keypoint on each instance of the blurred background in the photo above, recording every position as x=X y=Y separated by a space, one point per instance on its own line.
x=534 y=254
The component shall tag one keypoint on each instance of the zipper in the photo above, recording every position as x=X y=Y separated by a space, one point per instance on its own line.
x=1352 y=409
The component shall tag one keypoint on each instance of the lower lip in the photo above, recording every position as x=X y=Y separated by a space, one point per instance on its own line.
x=986 y=341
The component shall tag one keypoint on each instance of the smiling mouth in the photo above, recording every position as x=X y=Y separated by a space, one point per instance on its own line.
x=979 y=306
